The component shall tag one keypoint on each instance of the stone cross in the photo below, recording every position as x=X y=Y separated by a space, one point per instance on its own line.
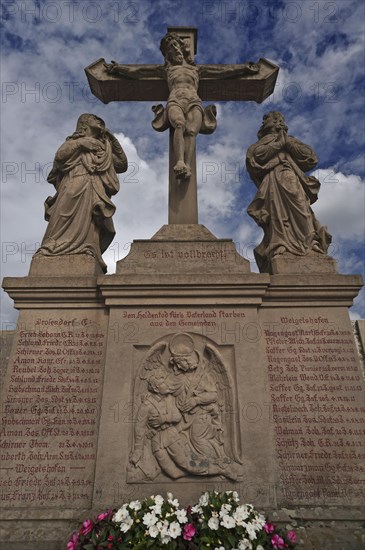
x=184 y=85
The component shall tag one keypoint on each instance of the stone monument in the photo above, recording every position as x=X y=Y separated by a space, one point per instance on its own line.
x=183 y=371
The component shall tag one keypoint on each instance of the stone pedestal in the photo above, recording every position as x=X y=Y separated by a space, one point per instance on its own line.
x=286 y=422
x=314 y=262
x=51 y=403
x=217 y=306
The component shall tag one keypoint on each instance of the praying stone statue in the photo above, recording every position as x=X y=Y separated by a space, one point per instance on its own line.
x=282 y=206
x=84 y=174
x=184 y=110
x=183 y=402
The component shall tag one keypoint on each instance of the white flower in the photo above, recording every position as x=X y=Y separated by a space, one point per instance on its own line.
x=149 y=519
x=245 y=544
x=173 y=501
x=228 y=522
x=163 y=527
x=220 y=548
x=165 y=539
x=259 y=547
x=257 y=524
x=156 y=509
x=204 y=499
x=159 y=500
x=260 y=520
x=225 y=509
x=181 y=516
x=135 y=505
x=243 y=511
x=251 y=531
x=153 y=531
x=240 y=515
x=121 y=514
x=234 y=495
x=126 y=524
x=174 y=530
x=213 y=524
x=196 y=509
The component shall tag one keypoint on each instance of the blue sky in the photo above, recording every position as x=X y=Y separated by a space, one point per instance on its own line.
x=318 y=46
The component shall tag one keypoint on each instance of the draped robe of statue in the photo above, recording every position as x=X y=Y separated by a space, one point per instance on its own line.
x=282 y=205
x=80 y=213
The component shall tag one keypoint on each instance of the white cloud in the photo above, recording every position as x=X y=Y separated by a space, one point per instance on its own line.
x=341 y=204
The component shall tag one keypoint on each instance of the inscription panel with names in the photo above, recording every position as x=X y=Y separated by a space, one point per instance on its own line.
x=317 y=406
x=50 y=410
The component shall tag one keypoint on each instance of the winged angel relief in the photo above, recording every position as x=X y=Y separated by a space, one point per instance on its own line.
x=184 y=424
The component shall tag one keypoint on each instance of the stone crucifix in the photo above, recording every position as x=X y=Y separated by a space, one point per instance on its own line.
x=184 y=85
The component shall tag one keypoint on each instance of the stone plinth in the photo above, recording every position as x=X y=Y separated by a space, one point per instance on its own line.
x=314 y=262
x=183 y=249
x=72 y=265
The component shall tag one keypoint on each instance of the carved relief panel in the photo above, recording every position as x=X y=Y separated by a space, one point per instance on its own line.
x=185 y=411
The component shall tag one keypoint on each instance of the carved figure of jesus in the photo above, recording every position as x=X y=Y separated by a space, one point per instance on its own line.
x=184 y=110
x=184 y=107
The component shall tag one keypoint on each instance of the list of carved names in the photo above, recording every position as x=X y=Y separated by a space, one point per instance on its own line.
x=50 y=413
x=317 y=396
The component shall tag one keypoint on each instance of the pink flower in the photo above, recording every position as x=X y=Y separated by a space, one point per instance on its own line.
x=188 y=531
x=72 y=544
x=87 y=526
x=269 y=528
x=292 y=536
x=277 y=542
x=110 y=537
x=102 y=516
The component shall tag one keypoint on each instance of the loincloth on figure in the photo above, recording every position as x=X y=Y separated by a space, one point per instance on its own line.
x=185 y=104
x=161 y=121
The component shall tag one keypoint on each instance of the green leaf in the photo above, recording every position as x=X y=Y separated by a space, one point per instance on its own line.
x=231 y=539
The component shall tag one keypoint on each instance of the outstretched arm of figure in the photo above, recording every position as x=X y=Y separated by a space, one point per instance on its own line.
x=228 y=71
x=134 y=72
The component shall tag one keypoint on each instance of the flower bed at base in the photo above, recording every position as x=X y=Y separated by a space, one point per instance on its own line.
x=216 y=522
